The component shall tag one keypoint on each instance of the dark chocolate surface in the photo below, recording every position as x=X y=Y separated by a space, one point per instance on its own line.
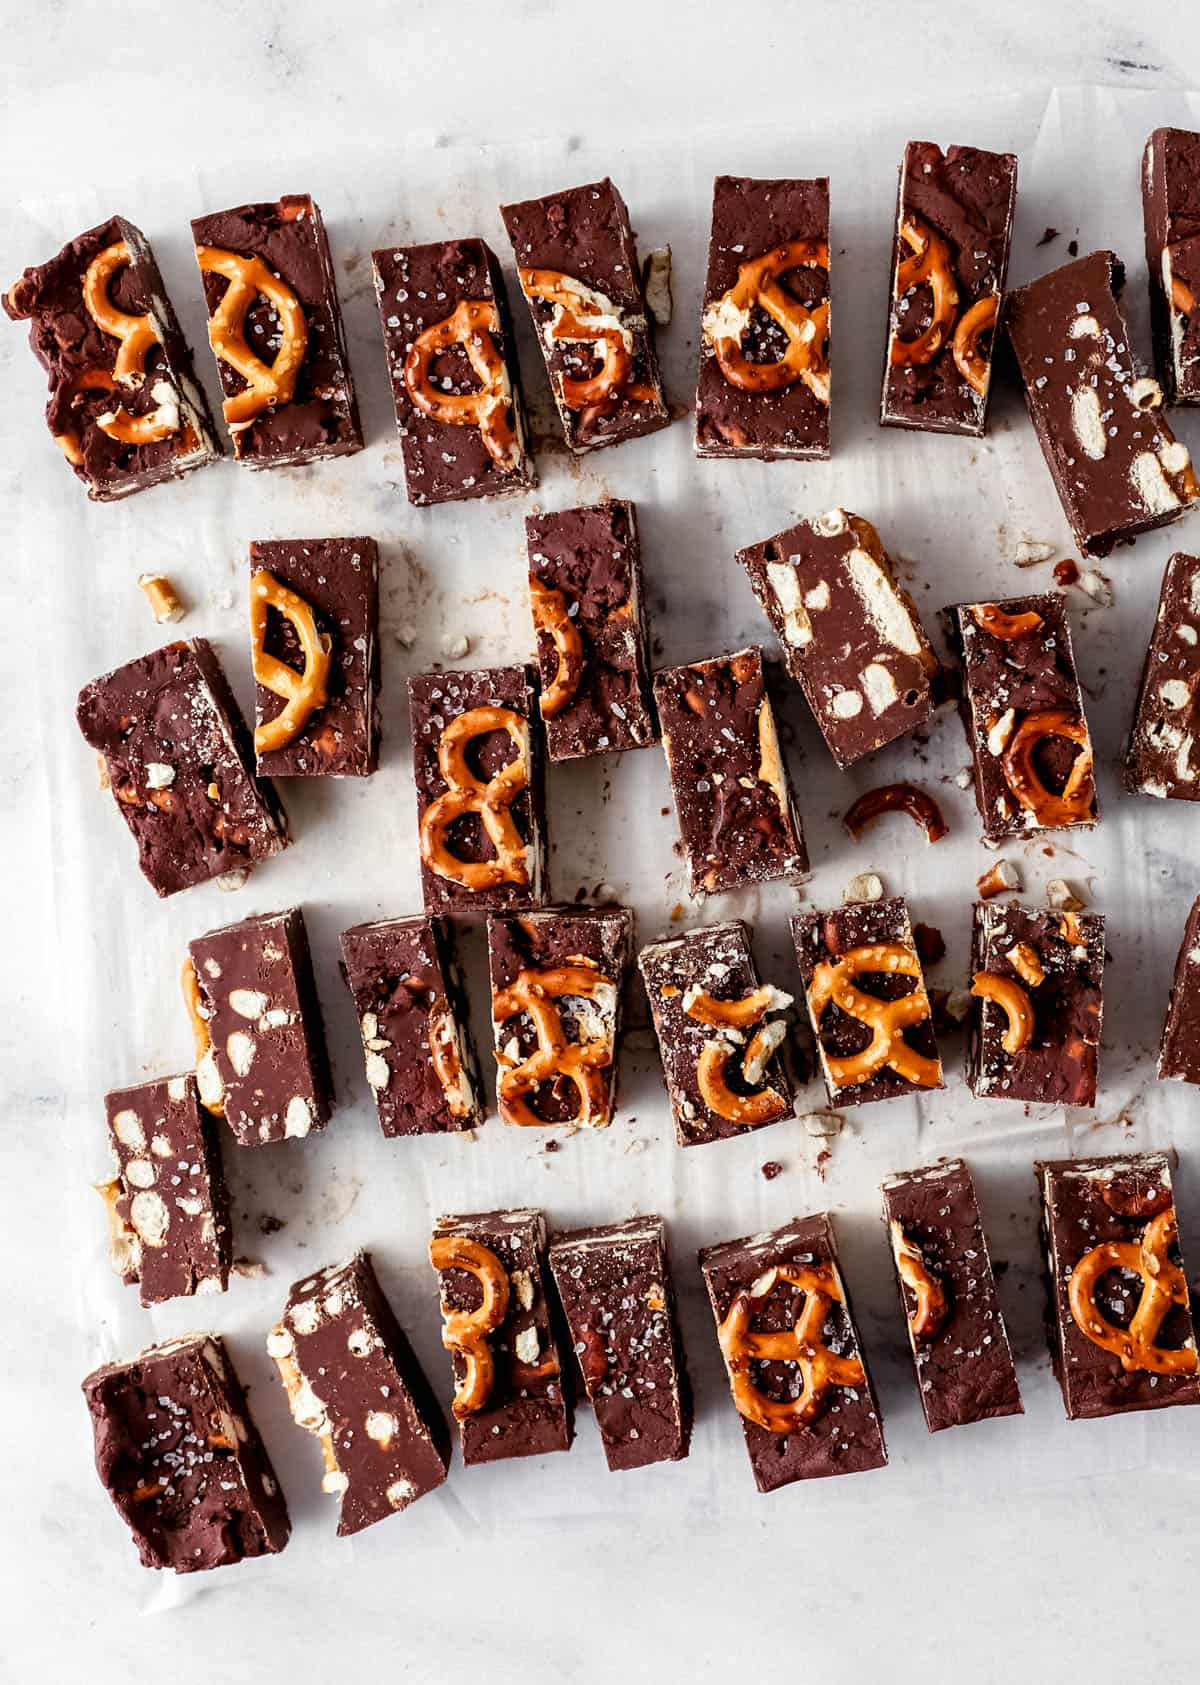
x=1171 y=212
x=1161 y=758
x=1179 y=1050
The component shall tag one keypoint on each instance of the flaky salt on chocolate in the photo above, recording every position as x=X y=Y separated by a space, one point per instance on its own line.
x=1163 y=755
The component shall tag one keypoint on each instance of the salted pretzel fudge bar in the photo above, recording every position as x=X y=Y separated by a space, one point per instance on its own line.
x=353 y=1382
x=578 y=266
x=1171 y=214
x=850 y=636
x=1162 y=758
x=456 y=385
x=275 y=327
x=124 y=406
x=764 y=383
x=178 y=1453
x=178 y=759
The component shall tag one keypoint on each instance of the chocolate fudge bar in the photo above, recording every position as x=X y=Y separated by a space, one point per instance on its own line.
x=455 y=380
x=960 y=1347
x=1022 y=710
x=481 y=806
x=865 y=994
x=615 y=1287
x=352 y=1380
x=578 y=266
x=763 y=389
x=275 y=328
x=792 y=1354
x=1179 y=1049
x=719 y=1033
x=314 y=642
x=1118 y=469
x=1118 y=1318
x=1171 y=212
x=557 y=983
x=737 y=815
x=179 y=1455
x=1038 y=977
x=178 y=758
x=585 y=592
x=511 y=1397
x=264 y=1025
x=1161 y=759
x=168 y=1210
x=851 y=638
x=416 y=1034
x=954 y=218
x=101 y=324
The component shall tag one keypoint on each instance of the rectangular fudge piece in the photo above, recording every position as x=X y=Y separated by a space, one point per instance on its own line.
x=353 y=1381
x=1022 y=711
x=964 y=1364
x=314 y=638
x=1171 y=212
x=168 y=1209
x=1179 y=1049
x=416 y=1034
x=511 y=1397
x=865 y=994
x=1039 y=979
x=954 y=218
x=558 y=979
x=452 y=359
x=792 y=1354
x=578 y=266
x=1111 y=1246
x=1161 y=759
x=850 y=636
x=719 y=1033
x=178 y=758
x=481 y=807
x=124 y=406
x=763 y=389
x=259 y=1003
x=1118 y=469
x=615 y=1287
x=585 y=593
x=178 y=1453
x=737 y=816
x=275 y=327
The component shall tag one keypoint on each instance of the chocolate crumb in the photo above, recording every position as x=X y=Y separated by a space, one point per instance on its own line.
x=1050 y=234
x=771 y=1169
x=930 y=943
x=1066 y=572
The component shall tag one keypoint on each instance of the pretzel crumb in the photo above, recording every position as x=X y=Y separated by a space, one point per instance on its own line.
x=867 y=886
x=656 y=284
x=824 y=1125
x=162 y=597
x=1063 y=897
x=999 y=878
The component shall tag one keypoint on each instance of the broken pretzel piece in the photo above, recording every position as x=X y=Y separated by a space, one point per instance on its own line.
x=897 y=798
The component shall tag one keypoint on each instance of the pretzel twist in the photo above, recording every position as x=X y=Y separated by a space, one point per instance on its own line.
x=551 y=616
x=712 y=1067
x=804 y=1345
x=585 y=315
x=584 y=1064
x=998 y=623
x=1077 y=800
x=466 y=1332
x=887 y=1019
x=473 y=324
x=972 y=325
x=491 y=799
x=807 y=330
x=1012 y=1000
x=303 y=692
x=929 y=265
x=1163 y=1286
x=267 y=384
x=931 y=1307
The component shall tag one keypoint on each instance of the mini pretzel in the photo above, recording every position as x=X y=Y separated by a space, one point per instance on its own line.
x=931 y=1307
x=304 y=692
x=1011 y=998
x=466 y=1332
x=443 y=1055
x=972 y=325
x=712 y=1082
x=807 y=330
x=804 y=1345
x=583 y=314
x=896 y=798
x=201 y=1038
x=267 y=384
x=887 y=1019
x=1077 y=800
x=492 y=801
x=582 y=1063
x=930 y=265
x=1163 y=1285
x=473 y=324
x=550 y=616
x=989 y=617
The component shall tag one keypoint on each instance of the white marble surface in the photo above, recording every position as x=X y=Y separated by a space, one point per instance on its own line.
x=1049 y=1551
